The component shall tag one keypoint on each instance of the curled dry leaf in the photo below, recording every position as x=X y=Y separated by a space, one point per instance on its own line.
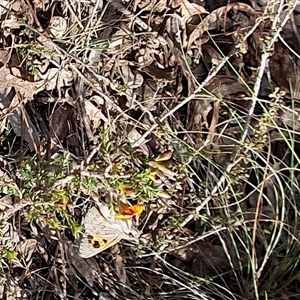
x=159 y=73
x=4 y=56
x=94 y=114
x=59 y=121
x=57 y=27
x=166 y=155
x=26 y=88
x=4 y=6
x=26 y=248
x=203 y=256
x=283 y=69
x=151 y=94
x=211 y=56
x=188 y=9
x=56 y=78
x=83 y=266
x=223 y=86
x=5 y=202
x=216 y=18
x=220 y=87
x=19 y=118
x=163 y=168
x=137 y=141
x=131 y=81
x=291 y=118
x=119 y=265
x=23 y=126
x=153 y=6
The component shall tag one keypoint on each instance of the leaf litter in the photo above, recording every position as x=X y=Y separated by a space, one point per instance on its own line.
x=148 y=102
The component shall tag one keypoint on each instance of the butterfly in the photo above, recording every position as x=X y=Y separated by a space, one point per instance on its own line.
x=103 y=230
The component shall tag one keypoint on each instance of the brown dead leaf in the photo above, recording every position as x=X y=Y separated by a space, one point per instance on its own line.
x=223 y=86
x=56 y=78
x=57 y=26
x=131 y=81
x=59 y=122
x=19 y=118
x=4 y=56
x=220 y=88
x=23 y=126
x=152 y=5
x=216 y=19
x=203 y=257
x=188 y=9
x=214 y=122
x=26 y=248
x=283 y=68
x=26 y=88
x=198 y=110
x=211 y=57
x=164 y=156
x=162 y=169
x=291 y=118
x=159 y=73
x=84 y=266
x=151 y=95
x=119 y=265
x=5 y=202
x=94 y=114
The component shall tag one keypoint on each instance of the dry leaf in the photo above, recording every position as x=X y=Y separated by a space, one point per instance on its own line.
x=4 y=56
x=283 y=69
x=136 y=141
x=94 y=113
x=291 y=118
x=4 y=4
x=5 y=202
x=214 y=122
x=18 y=118
x=198 y=110
x=216 y=18
x=26 y=248
x=223 y=86
x=153 y=6
x=26 y=88
x=83 y=266
x=56 y=78
x=164 y=168
x=59 y=122
x=57 y=27
x=203 y=257
x=188 y=9
x=166 y=155
x=119 y=265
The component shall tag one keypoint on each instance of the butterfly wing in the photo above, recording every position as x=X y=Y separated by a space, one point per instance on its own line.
x=96 y=224
x=100 y=234
x=102 y=231
x=92 y=245
x=92 y=220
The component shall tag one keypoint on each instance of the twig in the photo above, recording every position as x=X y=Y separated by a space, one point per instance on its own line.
x=188 y=99
x=80 y=98
x=264 y=57
x=36 y=20
x=263 y=62
x=215 y=190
